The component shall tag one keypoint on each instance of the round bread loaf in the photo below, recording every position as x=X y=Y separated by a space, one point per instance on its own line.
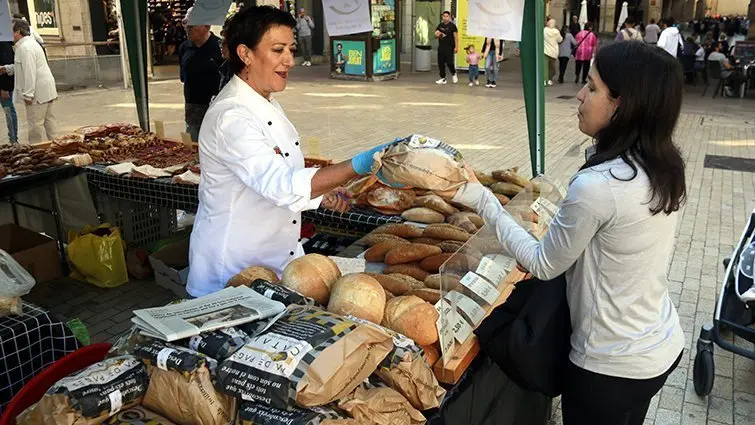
x=360 y=295
x=410 y=269
x=423 y=215
x=312 y=276
x=430 y=295
x=412 y=252
x=446 y=232
x=413 y=317
x=376 y=254
x=387 y=198
x=399 y=229
x=250 y=274
x=396 y=283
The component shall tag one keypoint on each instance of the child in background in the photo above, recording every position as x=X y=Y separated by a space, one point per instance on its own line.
x=473 y=59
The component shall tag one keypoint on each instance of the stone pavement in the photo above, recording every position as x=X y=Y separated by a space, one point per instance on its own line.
x=337 y=119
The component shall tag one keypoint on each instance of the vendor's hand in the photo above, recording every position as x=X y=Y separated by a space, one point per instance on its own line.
x=362 y=163
x=337 y=199
x=28 y=102
x=449 y=194
x=3 y=71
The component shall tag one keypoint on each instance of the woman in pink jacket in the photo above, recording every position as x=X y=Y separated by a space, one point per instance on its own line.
x=587 y=45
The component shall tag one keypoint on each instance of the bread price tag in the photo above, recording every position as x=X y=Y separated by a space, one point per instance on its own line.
x=461 y=329
x=445 y=333
x=491 y=271
x=162 y=358
x=468 y=306
x=480 y=287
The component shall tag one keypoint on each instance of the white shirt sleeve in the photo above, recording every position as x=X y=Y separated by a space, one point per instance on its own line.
x=29 y=70
x=242 y=147
x=588 y=206
x=662 y=40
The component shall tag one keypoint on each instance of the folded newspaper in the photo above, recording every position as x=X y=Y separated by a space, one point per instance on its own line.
x=228 y=307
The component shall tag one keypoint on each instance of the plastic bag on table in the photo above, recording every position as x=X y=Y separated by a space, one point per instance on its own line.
x=97 y=256
x=14 y=283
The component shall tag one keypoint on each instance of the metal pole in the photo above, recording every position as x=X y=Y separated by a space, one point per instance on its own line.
x=122 y=45
x=141 y=66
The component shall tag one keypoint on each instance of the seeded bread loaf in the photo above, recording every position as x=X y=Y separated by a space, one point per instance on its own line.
x=409 y=253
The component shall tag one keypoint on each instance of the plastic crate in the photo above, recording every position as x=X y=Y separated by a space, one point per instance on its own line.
x=141 y=224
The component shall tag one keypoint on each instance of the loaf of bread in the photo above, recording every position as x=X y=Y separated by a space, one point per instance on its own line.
x=432 y=354
x=388 y=198
x=413 y=317
x=506 y=188
x=430 y=295
x=400 y=229
x=409 y=269
x=396 y=283
x=456 y=246
x=360 y=295
x=426 y=241
x=474 y=218
x=312 y=276
x=432 y=264
x=446 y=232
x=462 y=221
x=376 y=238
x=423 y=215
x=503 y=199
x=436 y=203
x=485 y=179
x=388 y=295
x=250 y=274
x=412 y=252
x=376 y=253
x=447 y=281
x=510 y=176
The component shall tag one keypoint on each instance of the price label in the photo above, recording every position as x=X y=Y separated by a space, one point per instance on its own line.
x=561 y=189
x=446 y=336
x=491 y=271
x=457 y=326
x=461 y=329
x=471 y=309
x=504 y=262
x=480 y=287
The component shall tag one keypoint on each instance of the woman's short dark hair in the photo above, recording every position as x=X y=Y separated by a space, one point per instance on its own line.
x=248 y=26
x=22 y=27
x=588 y=26
x=640 y=131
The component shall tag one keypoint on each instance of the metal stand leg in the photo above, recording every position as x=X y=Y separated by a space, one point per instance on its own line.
x=12 y=201
x=55 y=211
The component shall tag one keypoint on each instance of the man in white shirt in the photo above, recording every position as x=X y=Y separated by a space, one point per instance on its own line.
x=670 y=39
x=735 y=82
x=651 y=32
x=34 y=83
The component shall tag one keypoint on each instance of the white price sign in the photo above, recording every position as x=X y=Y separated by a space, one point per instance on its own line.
x=491 y=271
x=471 y=309
x=456 y=326
x=445 y=333
x=480 y=287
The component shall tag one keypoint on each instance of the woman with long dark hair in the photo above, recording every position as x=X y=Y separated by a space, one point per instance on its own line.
x=613 y=237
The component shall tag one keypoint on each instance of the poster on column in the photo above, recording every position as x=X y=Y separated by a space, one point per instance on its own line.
x=496 y=18
x=462 y=23
x=349 y=58
x=6 y=26
x=344 y=17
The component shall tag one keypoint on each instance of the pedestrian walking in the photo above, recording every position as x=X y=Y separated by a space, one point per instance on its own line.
x=574 y=27
x=492 y=51
x=304 y=27
x=587 y=45
x=629 y=32
x=33 y=82
x=448 y=45
x=651 y=32
x=552 y=37
x=473 y=59
x=670 y=39
x=565 y=51
x=6 y=92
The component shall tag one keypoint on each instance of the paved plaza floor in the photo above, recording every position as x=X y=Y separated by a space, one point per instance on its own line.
x=337 y=119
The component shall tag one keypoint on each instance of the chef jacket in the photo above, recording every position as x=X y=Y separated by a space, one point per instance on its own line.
x=252 y=189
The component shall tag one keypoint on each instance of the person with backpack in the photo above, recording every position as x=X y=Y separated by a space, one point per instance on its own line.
x=629 y=32
x=587 y=45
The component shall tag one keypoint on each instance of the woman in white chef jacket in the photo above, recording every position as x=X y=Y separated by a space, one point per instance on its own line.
x=254 y=185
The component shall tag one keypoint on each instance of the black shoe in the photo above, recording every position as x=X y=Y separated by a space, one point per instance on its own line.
x=561 y=81
x=576 y=80
x=584 y=81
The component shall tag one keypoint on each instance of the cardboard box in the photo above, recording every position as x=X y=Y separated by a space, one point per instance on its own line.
x=171 y=266
x=36 y=253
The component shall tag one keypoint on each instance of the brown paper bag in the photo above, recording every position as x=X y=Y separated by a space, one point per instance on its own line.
x=381 y=406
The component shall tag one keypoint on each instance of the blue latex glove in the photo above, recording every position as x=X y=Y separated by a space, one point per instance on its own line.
x=362 y=163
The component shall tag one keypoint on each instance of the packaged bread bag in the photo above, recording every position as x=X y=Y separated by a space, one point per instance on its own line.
x=422 y=163
x=259 y=414
x=308 y=357
x=180 y=386
x=90 y=396
x=218 y=344
x=406 y=370
x=374 y=403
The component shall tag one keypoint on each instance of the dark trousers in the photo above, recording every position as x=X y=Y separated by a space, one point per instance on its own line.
x=584 y=66
x=562 y=63
x=193 y=115
x=594 y=399
x=446 y=58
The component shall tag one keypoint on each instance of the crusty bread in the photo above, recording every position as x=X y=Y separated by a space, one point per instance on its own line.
x=503 y=199
x=468 y=221
x=446 y=232
x=432 y=263
x=312 y=276
x=360 y=295
x=412 y=252
x=432 y=354
x=485 y=179
x=456 y=246
x=388 y=295
x=400 y=229
x=445 y=280
x=413 y=317
x=250 y=274
x=436 y=203
x=510 y=176
x=423 y=215
x=387 y=198
x=430 y=295
x=376 y=238
x=396 y=283
x=409 y=269
x=426 y=241
x=376 y=254
x=505 y=188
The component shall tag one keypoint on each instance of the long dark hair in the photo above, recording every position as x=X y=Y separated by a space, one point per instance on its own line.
x=650 y=83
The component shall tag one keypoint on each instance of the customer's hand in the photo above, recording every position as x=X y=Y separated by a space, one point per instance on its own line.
x=472 y=178
x=337 y=199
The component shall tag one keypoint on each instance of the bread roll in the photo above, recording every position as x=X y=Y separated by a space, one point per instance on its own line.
x=426 y=241
x=510 y=176
x=387 y=198
x=388 y=295
x=400 y=229
x=432 y=264
x=484 y=179
x=413 y=317
x=430 y=295
x=432 y=354
x=409 y=269
x=408 y=253
x=436 y=203
x=423 y=215
x=376 y=238
x=359 y=295
x=446 y=232
x=446 y=280
x=376 y=254
x=396 y=283
x=312 y=276
x=250 y=274
x=463 y=222
x=456 y=246
x=505 y=188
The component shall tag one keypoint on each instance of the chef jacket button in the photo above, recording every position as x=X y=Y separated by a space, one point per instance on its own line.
x=294 y=221
x=286 y=154
x=297 y=143
x=269 y=123
x=291 y=253
x=299 y=239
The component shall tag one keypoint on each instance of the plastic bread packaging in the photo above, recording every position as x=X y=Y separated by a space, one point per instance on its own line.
x=422 y=163
x=181 y=386
x=280 y=293
x=92 y=395
x=308 y=357
x=259 y=414
x=219 y=344
x=406 y=370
